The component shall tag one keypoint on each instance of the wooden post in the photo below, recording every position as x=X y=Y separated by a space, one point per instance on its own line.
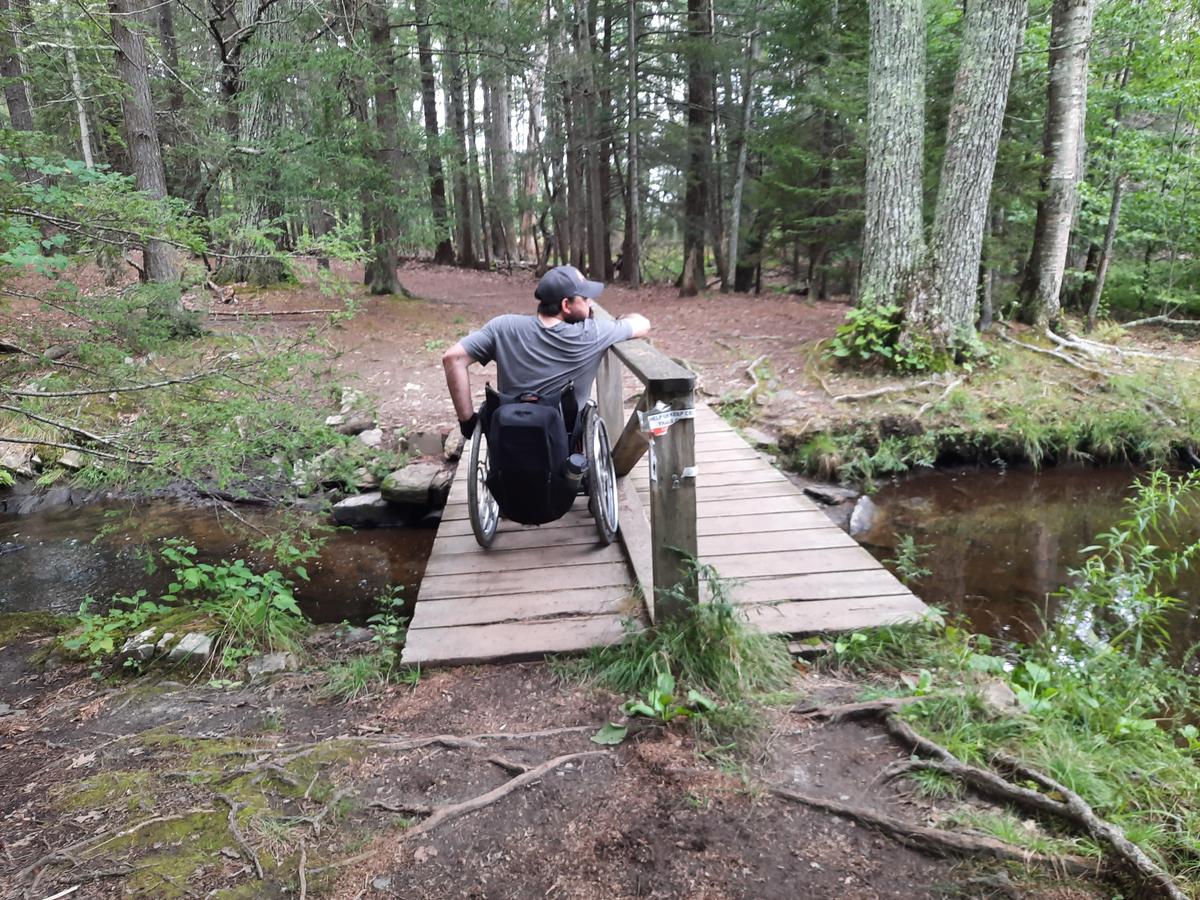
x=673 y=504
x=609 y=396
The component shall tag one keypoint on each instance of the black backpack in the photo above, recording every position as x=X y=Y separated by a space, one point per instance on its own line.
x=529 y=437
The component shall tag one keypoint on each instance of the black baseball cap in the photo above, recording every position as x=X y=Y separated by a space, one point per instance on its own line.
x=562 y=282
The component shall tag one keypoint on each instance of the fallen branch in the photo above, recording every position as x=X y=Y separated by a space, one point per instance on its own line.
x=97 y=453
x=91 y=392
x=1162 y=320
x=883 y=391
x=63 y=426
x=233 y=313
x=940 y=841
x=301 y=874
x=752 y=391
x=1054 y=353
x=444 y=814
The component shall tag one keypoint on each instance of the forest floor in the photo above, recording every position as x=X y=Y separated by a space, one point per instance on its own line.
x=179 y=788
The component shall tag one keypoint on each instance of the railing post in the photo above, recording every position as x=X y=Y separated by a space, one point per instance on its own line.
x=609 y=395
x=673 y=503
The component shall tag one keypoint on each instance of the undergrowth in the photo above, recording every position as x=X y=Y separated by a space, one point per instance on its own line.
x=347 y=680
x=1103 y=709
x=712 y=651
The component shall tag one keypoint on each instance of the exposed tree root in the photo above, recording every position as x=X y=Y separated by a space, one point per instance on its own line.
x=941 y=842
x=247 y=850
x=1057 y=355
x=867 y=710
x=1072 y=808
x=942 y=396
x=235 y=314
x=883 y=391
x=1163 y=320
x=1095 y=348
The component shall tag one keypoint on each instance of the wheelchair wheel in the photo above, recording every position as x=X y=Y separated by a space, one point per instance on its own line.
x=481 y=505
x=602 y=478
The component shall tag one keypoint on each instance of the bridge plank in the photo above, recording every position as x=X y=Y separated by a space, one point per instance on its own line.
x=523 y=581
x=796 y=562
x=775 y=542
x=612 y=600
x=817 y=616
x=502 y=559
x=756 y=523
x=510 y=641
x=518 y=539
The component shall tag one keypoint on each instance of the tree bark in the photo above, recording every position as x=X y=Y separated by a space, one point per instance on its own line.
x=1110 y=236
x=893 y=235
x=699 y=130
x=739 y=182
x=500 y=150
x=940 y=316
x=465 y=215
x=443 y=253
x=12 y=69
x=382 y=277
x=476 y=168
x=631 y=255
x=592 y=143
x=1066 y=105
x=141 y=132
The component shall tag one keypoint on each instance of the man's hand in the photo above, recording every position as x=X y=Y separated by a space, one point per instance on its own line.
x=467 y=426
x=641 y=325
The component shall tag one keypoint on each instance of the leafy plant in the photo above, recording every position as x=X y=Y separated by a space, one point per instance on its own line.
x=663 y=705
x=352 y=678
x=908 y=559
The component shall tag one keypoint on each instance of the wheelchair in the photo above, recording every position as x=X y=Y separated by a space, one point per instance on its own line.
x=529 y=457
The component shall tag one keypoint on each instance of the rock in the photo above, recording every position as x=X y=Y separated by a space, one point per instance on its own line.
x=10 y=547
x=58 y=351
x=17 y=458
x=758 y=437
x=141 y=646
x=365 y=510
x=412 y=484
x=364 y=480
x=831 y=494
x=439 y=489
x=72 y=460
x=165 y=641
x=372 y=437
x=357 y=635
x=453 y=447
x=998 y=698
x=355 y=423
x=335 y=421
x=192 y=645
x=271 y=664
x=350 y=399
x=863 y=516
x=425 y=443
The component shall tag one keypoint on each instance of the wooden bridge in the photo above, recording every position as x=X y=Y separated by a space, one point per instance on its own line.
x=554 y=589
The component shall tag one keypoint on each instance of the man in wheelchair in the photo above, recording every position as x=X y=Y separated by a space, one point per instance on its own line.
x=540 y=427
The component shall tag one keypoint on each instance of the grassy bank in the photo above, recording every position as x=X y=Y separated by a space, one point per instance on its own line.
x=1019 y=405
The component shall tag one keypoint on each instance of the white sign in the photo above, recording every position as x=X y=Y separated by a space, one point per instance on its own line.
x=657 y=423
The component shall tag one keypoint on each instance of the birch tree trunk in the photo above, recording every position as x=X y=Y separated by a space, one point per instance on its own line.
x=1066 y=106
x=476 y=168
x=893 y=235
x=443 y=254
x=141 y=132
x=940 y=316
x=699 y=129
x=739 y=179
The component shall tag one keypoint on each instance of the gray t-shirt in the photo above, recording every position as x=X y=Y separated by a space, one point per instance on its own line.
x=531 y=357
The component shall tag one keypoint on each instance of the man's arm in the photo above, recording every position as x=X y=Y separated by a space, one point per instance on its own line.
x=455 y=361
x=641 y=325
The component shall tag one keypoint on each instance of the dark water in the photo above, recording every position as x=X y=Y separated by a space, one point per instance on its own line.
x=1002 y=542
x=48 y=561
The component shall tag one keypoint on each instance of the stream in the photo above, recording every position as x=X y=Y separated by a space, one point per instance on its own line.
x=49 y=561
x=999 y=544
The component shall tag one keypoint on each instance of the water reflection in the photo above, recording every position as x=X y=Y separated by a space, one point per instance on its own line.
x=49 y=562
x=1001 y=542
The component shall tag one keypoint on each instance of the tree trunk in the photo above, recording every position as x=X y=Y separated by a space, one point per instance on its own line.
x=1110 y=236
x=699 y=129
x=528 y=235
x=893 y=235
x=476 y=167
x=592 y=143
x=465 y=217
x=12 y=69
x=576 y=202
x=631 y=255
x=739 y=178
x=1066 y=105
x=500 y=150
x=940 y=316
x=382 y=277
x=85 y=131
x=141 y=132
x=443 y=253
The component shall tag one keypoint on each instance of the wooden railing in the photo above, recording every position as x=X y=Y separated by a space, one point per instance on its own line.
x=670 y=543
